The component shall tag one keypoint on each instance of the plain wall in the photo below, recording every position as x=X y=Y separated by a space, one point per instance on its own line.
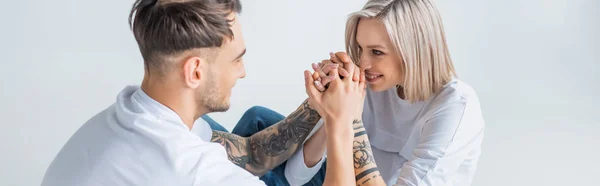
x=534 y=64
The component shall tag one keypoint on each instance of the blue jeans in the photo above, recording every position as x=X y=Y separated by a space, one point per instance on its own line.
x=254 y=120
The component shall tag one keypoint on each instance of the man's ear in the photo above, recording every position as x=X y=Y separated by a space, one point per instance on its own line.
x=192 y=71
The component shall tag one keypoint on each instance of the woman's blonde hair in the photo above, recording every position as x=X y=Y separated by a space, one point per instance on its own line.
x=416 y=31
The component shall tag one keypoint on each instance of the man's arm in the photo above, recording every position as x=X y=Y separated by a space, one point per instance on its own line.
x=315 y=147
x=297 y=170
x=365 y=169
x=270 y=147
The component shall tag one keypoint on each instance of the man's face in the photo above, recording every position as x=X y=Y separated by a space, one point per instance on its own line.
x=224 y=71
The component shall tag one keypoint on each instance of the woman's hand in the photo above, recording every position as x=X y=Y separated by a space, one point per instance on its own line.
x=341 y=106
x=340 y=61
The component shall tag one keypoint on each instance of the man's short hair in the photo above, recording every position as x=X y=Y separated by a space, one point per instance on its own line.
x=163 y=28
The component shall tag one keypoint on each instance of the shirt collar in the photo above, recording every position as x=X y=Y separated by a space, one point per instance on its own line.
x=157 y=109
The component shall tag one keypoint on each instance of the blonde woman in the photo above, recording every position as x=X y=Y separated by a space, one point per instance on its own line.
x=424 y=125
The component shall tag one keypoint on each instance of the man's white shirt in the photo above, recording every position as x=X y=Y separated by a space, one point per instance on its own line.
x=138 y=141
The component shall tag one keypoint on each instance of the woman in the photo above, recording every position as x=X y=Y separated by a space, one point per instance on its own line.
x=425 y=125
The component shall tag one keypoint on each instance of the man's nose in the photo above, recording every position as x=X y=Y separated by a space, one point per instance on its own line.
x=242 y=71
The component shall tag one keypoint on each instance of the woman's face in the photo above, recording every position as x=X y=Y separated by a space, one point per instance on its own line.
x=379 y=58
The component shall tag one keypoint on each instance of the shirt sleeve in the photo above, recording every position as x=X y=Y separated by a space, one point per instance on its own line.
x=213 y=168
x=296 y=171
x=447 y=139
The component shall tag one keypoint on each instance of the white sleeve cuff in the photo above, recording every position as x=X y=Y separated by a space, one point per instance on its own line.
x=296 y=171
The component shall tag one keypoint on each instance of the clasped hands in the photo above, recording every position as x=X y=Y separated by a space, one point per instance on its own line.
x=336 y=89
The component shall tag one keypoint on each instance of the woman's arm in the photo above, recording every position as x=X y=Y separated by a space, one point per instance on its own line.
x=316 y=145
x=365 y=168
x=338 y=105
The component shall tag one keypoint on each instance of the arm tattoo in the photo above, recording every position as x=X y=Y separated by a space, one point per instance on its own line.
x=361 y=147
x=368 y=178
x=232 y=143
x=367 y=172
x=362 y=154
x=293 y=129
x=359 y=130
x=270 y=147
x=285 y=135
x=364 y=164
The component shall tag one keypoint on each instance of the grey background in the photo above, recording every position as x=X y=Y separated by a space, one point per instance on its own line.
x=533 y=63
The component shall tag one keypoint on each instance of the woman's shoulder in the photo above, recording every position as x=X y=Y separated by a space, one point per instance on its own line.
x=456 y=91
x=457 y=102
x=454 y=96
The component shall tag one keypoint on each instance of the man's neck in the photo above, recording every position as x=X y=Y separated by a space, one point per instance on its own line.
x=173 y=97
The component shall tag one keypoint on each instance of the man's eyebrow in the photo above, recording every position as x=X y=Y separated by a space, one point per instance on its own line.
x=241 y=54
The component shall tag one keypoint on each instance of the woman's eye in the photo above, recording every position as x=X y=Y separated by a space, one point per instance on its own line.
x=377 y=52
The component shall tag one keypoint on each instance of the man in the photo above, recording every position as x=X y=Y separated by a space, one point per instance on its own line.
x=192 y=52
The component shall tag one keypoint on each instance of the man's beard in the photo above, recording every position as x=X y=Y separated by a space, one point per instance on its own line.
x=212 y=99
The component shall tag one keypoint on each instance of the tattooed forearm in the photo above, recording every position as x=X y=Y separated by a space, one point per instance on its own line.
x=367 y=180
x=293 y=129
x=234 y=146
x=270 y=147
x=365 y=168
x=277 y=143
x=362 y=154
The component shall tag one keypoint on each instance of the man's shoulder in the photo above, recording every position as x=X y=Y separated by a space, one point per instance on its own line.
x=77 y=156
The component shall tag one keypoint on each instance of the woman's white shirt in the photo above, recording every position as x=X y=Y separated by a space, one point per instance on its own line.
x=429 y=143
x=433 y=142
